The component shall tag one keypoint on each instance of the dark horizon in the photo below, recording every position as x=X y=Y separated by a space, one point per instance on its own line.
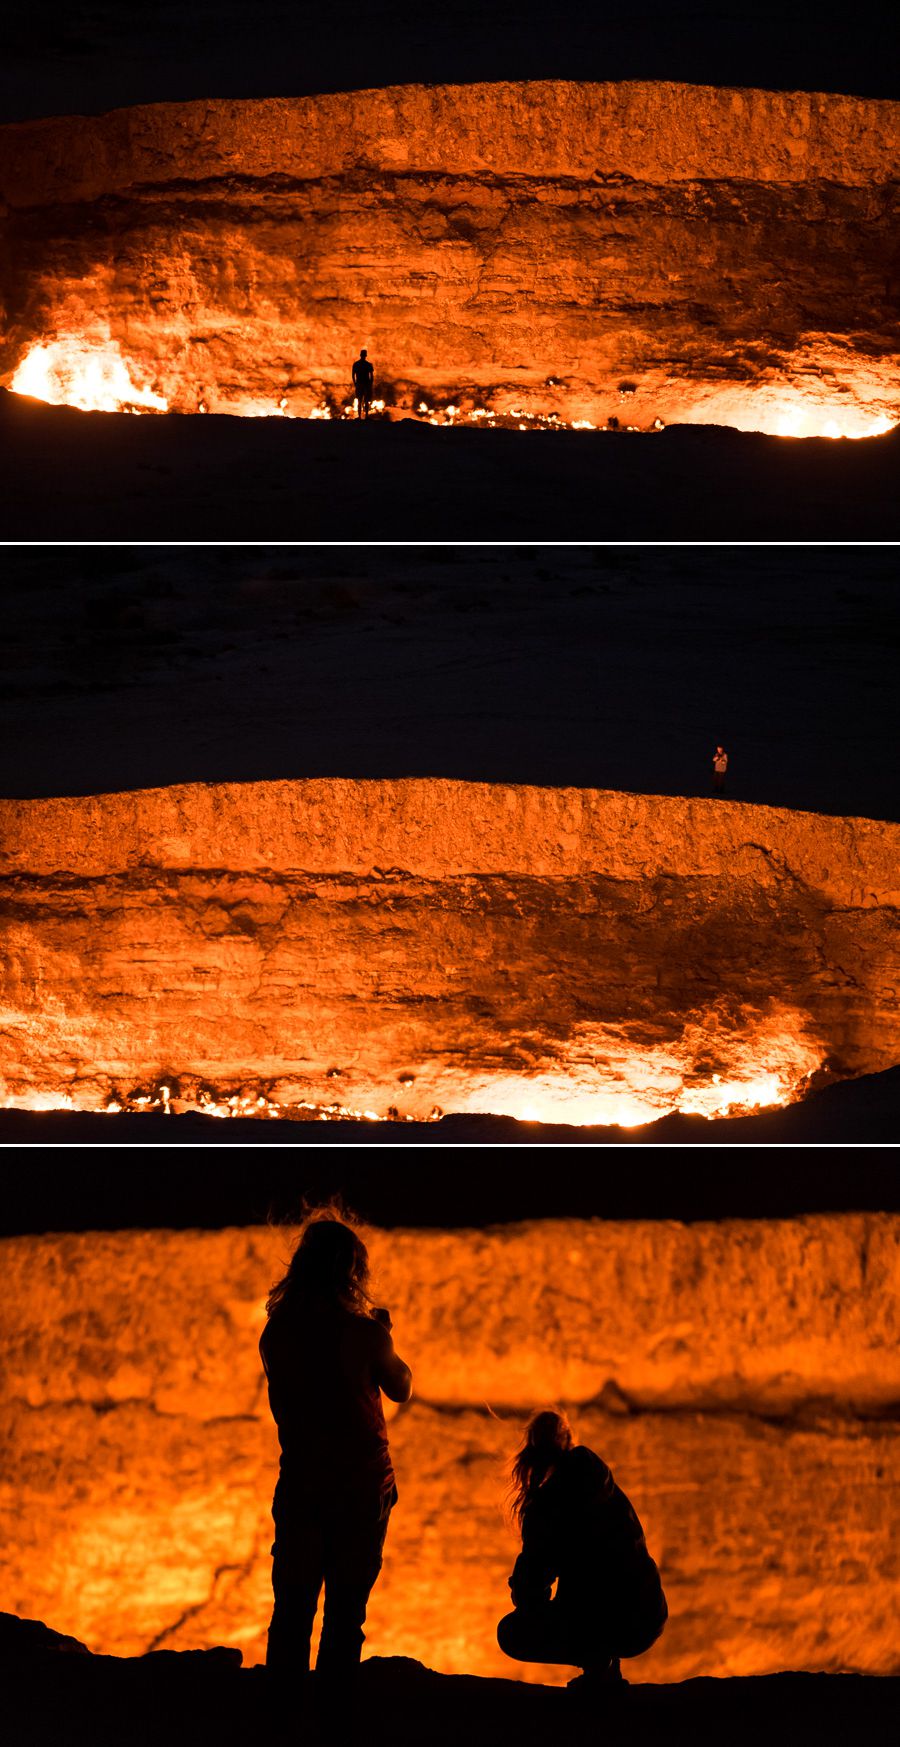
x=190 y=52
x=275 y=1172
x=614 y=668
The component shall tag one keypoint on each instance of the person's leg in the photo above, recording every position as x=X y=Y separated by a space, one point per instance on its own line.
x=638 y=1627
x=549 y=1633
x=546 y=1634
x=293 y=1614
x=525 y=1634
x=354 y=1548
x=298 y=1572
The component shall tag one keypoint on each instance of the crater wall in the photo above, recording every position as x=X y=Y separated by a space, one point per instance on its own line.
x=634 y=251
x=741 y=1378
x=402 y=945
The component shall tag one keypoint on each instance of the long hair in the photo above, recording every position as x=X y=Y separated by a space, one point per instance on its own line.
x=548 y=1436
x=330 y=1263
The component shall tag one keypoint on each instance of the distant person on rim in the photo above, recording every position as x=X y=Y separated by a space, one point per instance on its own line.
x=363 y=383
x=581 y=1532
x=720 y=767
x=328 y=1357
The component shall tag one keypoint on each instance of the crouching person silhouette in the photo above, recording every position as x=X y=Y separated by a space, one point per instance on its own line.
x=328 y=1356
x=580 y=1531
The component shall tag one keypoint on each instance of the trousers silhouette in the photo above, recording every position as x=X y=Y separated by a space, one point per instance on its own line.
x=335 y=1540
x=549 y=1632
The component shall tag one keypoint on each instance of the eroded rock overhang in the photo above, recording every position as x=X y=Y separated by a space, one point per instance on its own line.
x=405 y=946
x=545 y=252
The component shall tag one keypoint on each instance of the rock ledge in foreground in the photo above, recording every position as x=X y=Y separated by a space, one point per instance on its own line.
x=57 y=1692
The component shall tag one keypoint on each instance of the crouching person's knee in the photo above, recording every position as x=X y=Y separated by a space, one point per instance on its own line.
x=506 y=1635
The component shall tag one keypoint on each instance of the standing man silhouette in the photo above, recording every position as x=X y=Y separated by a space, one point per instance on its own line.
x=363 y=381
x=720 y=767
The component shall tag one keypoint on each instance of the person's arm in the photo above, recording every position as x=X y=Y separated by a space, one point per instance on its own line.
x=394 y=1378
x=536 y=1569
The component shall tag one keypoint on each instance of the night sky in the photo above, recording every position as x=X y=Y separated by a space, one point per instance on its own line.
x=62 y=59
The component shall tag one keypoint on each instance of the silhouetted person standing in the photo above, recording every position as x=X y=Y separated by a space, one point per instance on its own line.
x=720 y=768
x=328 y=1355
x=363 y=383
x=580 y=1531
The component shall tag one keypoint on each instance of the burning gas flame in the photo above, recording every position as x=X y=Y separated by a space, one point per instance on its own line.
x=723 y=1063
x=40 y=1102
x=90 y=375
x=811 y=409
x=223 y=1105
x=797 y=422
x=510 y=418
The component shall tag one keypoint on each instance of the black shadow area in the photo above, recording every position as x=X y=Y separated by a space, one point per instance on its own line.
x=105 y=1172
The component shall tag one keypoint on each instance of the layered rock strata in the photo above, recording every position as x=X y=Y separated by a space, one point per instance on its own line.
x=407 y=945
x=547 y=250
x=741 y=1378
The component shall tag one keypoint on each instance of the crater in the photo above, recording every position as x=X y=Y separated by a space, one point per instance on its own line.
x=405 y=948
x=538 y=255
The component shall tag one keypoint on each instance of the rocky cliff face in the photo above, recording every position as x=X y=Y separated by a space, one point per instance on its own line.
x=741 y=1378
x=542 y=251
x=367 y=946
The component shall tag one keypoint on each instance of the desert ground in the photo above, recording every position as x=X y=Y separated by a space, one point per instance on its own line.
x=112 y=55
x=130 y=668
x=71 y=476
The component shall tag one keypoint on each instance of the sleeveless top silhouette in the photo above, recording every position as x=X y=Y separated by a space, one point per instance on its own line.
x=326 y=1404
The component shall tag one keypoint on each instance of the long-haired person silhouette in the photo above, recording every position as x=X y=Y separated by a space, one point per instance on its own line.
x=581 y=1532
x=328 y=1356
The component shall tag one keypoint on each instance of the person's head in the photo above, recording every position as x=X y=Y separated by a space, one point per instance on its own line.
x=548 y=1435
x=330 y=1263
x=363 y=353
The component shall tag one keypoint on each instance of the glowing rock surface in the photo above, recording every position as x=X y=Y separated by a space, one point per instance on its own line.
x=739 y=1377
x=361 y=947
x=537 y=251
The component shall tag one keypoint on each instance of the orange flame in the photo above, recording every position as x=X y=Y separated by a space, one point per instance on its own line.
x=723 y=1063
x=90 y=375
